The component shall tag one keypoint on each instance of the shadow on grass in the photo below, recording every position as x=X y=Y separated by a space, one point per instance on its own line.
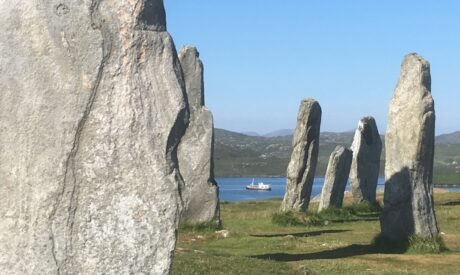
x=201 y=227
x=344 y=252
x=301 y=234
x=355 y=220
x=380 y=244
x=369 y=215
x=451 y=203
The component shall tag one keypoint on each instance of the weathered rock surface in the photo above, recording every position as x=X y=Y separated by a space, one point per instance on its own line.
x=409 y=149
x=301 y=169
x=365 y=166
x=195 y=153
x=92 y=107
x=335 y=180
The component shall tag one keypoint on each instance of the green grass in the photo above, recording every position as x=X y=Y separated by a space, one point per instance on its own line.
x=413 y=245
x=453 y=178
x=364 y=207
x=352 y=212
x=256 y=245
x=198 y=263
x=288 y=218
x=200 y=227
x=420 y=245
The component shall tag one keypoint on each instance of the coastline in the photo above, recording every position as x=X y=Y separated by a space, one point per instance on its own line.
x=435 y=185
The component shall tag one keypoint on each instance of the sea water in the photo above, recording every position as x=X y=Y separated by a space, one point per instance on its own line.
x=233 y=189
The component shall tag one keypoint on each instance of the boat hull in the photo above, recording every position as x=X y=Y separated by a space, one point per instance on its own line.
x=258 y=188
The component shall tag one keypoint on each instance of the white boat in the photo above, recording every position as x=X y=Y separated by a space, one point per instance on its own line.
x=260 y=186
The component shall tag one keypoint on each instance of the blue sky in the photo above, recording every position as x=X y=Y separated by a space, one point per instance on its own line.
x=262 y=57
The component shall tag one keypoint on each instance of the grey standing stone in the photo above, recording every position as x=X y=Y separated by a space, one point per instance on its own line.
x=409 y=147
x=92 y=107
x=365 y=166
x=302 y=167
x=336 y=178
x=200 y=193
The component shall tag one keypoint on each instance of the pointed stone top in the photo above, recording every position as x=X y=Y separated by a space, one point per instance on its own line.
x=414 y=86
x=367 y=127
x=415 y=68
x=152 y=15
x=340 y=149
x=309 y=101
x=367 y=119
x=309 y=114
x=415 y=58
x=189 y=50
x=309 y=106
x=192 y=68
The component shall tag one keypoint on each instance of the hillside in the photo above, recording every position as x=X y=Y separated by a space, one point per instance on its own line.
x=237 y=154
x=452 y=138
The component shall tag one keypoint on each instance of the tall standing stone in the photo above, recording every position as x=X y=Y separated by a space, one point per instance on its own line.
x=302 y=167
x=335 y=180
x=200 y=193
x=92 y=107
x=365 y=166
x=409 y=147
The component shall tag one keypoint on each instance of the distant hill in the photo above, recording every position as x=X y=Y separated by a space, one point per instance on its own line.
x=251 y=134
x=280 y=133
x=337 y=138
x=237 y=154
x=452 y=138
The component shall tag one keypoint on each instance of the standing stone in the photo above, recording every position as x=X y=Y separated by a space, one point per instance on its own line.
x=336 y=178
x=200 y=193
x=409 y=147
x=92 y=107
x=302 y=167
x=365 y=166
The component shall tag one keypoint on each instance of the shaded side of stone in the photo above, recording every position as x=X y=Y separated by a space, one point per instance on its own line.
x=335 y=180
x=365 y=167
x=152 y=15
x=302 y=166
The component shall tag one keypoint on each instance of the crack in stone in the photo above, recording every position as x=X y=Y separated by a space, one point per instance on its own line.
x=96 y=23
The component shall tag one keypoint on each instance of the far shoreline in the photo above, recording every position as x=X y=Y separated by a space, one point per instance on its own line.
x=435 y=185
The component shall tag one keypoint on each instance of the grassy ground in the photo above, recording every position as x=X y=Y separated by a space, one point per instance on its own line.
x=258 y=246
x=447 y=179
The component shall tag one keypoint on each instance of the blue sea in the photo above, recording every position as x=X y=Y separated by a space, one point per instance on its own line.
x=233 y=189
